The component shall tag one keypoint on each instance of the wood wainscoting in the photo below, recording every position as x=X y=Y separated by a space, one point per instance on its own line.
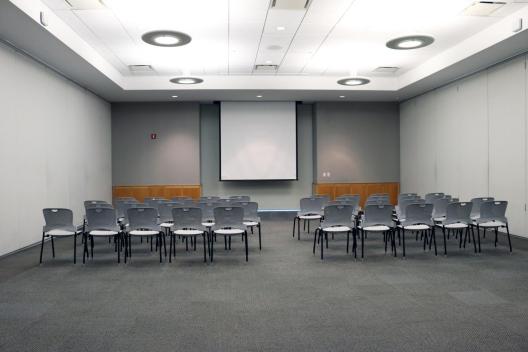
x=165 y=191
x=363 y=189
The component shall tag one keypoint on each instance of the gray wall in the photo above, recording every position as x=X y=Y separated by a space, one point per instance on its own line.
x=269 y=194
x=469 y=138
x=55 y=144
x=172 y=158
x=357 y=142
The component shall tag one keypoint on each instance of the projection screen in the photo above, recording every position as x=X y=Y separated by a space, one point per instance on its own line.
x=258 y=141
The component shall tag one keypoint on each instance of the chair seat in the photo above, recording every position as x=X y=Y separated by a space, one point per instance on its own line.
x=208 y=224
x=419 y=227
x=458 y=225
x=166 y=224
x=492 y=224
x=337 y=229
x=60 y=233
x=229 y=231
x=143 y=233
x=103 y=233
x=251 y=223
x=310 y=217
x=187 y=232
x=376 y=228
x=440 y=219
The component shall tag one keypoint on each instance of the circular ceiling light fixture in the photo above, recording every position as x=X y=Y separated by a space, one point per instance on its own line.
x=410 y=42
x=166 y=38
x=259 y=96
x=174 y=96
x=353 y=81
x=186 y=80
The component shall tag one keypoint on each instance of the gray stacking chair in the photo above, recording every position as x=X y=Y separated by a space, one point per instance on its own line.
x=127 y=199
x=187 y=223
x=337 y=219
x=378 y=218
x=58 y=223
x=404 y=200
x=165 y=213
x=121 y=207
x=209 y=198
x=419 y=219
x=240 y=198
x=154 y=202
x=251 y=218
x=207 y=212
x=353 y=200
x=143 y=221
x=229 y=221
x=475 y=206
x=101 y=222
x=226 y=202
x=440 y=209
x=430 y=197
x=323 y=196
x=311 y=209
x=401 y=211
x=377 y=201
x=95 y=202
x=457 y=219
x=492 y=216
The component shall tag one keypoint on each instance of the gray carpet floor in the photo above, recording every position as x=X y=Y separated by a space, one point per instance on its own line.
x=283 y=299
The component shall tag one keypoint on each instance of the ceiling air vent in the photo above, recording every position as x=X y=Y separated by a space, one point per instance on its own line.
x=85 y=4
x=140 y=69
x=290 y=4
x=386 y=69
x=266 y=68
x=483 y=8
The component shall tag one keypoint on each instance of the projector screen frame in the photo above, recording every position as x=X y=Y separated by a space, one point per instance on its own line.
x=266 y=179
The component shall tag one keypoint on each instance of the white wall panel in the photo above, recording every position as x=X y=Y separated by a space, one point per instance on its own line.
x=507 y=128
x=54 y=148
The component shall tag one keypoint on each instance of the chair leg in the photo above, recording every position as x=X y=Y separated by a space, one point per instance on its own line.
x=509 y=239
x=159 y=241
x=75 y=248
x=434 y=239
x=403 y=241
x=348 y=240
x=473 y=235
x=445 y=244
x=315 y=238
x=41 y=247
x=326 y=238
x=204 y=245
x=293 y=231
x=321 y=236
x=52 y=247
x=478 y=238
x=354 y=242
x=170 y=248
x=246 y=243
x=298 y=229
x=362 y=243
x=211 y=255
x=85 y=247
x=116 y=239
x=260 y=237
x=92 y=244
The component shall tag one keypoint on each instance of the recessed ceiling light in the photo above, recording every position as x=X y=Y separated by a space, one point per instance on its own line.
x=281 y=28
x=259 y=96
x=166 y=38
x=186 y=80
x=268 y=62
x=341 y=96
x=410 y=42
x=174 y=96
x=274 y=47
x=353 y=81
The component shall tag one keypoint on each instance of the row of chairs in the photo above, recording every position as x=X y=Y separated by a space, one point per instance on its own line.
x=411 y=214
x=155 y=219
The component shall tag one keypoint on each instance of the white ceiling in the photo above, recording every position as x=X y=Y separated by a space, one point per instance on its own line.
x=329 y=40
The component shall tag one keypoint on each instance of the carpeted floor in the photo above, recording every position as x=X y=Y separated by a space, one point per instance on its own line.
x=284 y=299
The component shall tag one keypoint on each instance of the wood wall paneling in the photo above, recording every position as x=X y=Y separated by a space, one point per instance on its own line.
x=165 y=191
x=334 y=190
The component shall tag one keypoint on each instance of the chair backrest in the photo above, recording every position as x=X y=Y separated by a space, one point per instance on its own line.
x=454 y=200
x=101 y=219
x=241 y=198
x=154 y=202
x=338 y=215
x=326 y=198
x=448 y=196
x=145 y=218
x=493 y=210
x=94 y=202
x=57 y=218
x=189 y=218
x=378 y=198
x=180 y=198
x=377 y=201
x=97 y=205
x=378 y=214
x=418 y=213
x=475 y=205
x=209 y=198
x=226 y=202
x=312 y=205
x=250 y=209
x=405 y=203
x=458 y=212
x=353 y=199
x=208 y=210
x=229 y=217
x=406 y=195
x=429 y=197
x=127 y=199
x=165 y=210
x=440 y=207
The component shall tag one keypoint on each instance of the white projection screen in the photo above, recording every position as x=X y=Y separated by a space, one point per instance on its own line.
x=258 y=141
